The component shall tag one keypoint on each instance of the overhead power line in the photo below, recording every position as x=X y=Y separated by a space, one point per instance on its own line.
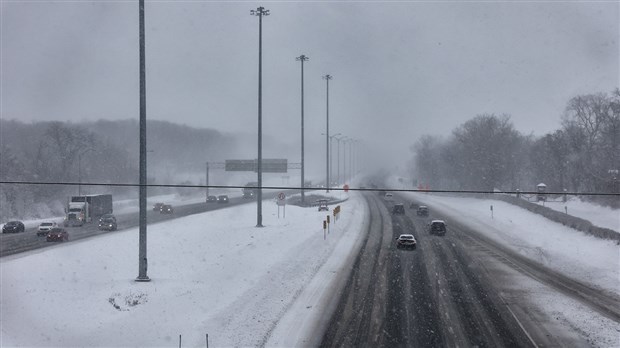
x=358 y=189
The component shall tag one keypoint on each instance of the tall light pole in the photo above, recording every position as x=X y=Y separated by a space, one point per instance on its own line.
x=351 y=159
x=207 y=183
x=347 y=141
x=302 y=59
x=341 y=138
x=331 y=146
x=344 y=159
x=142 y=261
x=331 y=155
x=327 y=77
x=260 y=12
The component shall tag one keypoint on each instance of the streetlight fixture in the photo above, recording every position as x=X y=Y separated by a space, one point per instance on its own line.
x=327 y=77
x=303 y=58
x=260 y=12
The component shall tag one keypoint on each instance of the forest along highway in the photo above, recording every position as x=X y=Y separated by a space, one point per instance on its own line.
x=441 y=293
x=28 y=240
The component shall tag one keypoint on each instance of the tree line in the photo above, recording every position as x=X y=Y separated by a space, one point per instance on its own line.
x=101 y=151
x=487 y=152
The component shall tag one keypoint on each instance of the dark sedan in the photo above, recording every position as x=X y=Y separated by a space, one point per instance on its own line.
x=422 y=210
x=13 y=227
x=437 y=227
x=211 y=199
x=166 y=209
x=398 y=209
x=222 y=199
x=57 y=234
x=107 y=222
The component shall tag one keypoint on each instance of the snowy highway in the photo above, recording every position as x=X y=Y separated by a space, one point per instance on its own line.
x=432 y=296
x=28 y=240
x=310 y=174
x=446 y=292
x=284 y=285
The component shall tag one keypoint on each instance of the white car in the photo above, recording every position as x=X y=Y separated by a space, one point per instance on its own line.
x=406 y=241
x=45 y=227
x=389 y=197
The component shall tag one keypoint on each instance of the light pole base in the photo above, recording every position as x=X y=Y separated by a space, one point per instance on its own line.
x=143 y=279
x=260 y=226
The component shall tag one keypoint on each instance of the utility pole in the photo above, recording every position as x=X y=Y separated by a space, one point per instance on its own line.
x=302 y=59
x=142 y=261
x=260 y=12
x=327 y=77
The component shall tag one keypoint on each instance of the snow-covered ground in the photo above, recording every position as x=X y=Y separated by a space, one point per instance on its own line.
x=212 y=273
x=598 y=215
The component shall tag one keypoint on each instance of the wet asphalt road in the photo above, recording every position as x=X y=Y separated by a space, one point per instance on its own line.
x=434 y=296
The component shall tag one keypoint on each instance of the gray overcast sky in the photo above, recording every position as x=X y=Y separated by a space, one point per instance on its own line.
x=401 y=69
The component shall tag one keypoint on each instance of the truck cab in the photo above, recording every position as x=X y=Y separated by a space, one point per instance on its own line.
x=83 y=209
x=77 y=214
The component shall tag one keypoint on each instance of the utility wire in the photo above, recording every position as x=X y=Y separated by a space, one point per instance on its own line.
x=358 y=189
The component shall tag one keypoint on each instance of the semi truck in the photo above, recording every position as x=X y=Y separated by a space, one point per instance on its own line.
x=83 y=209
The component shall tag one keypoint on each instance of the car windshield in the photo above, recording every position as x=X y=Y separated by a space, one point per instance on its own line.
x=372 y=173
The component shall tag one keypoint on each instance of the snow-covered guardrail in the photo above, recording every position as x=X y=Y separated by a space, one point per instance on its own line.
x=554 y=215
x=563 y=218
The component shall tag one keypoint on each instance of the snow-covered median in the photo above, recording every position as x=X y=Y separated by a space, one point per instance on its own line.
x=212 y=273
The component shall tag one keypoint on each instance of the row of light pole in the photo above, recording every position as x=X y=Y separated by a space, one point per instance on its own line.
x=259 y=12
x=345 y=140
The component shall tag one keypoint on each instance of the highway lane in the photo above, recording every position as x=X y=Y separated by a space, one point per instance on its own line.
x=436 y=295
x=446 y=292
x=365 y=293
x=19 y=242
